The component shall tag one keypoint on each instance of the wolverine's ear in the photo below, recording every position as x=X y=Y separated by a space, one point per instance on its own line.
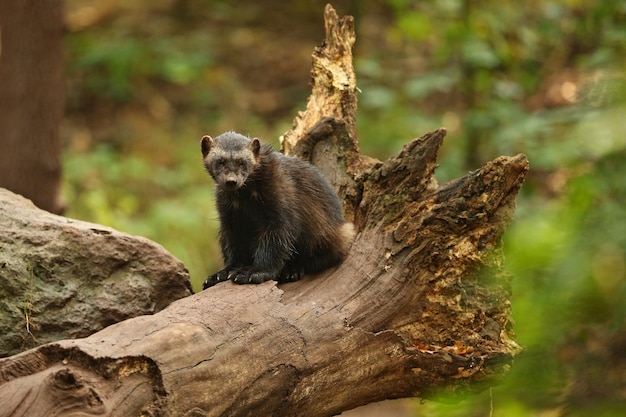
x=255 y=146
x=205 y=144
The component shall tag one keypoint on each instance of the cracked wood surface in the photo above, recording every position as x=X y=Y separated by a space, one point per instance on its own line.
x=421 y=303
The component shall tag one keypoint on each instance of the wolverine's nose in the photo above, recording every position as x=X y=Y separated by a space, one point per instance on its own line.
x=230 y=183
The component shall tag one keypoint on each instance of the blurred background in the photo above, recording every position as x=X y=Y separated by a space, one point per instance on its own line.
x=144 y=80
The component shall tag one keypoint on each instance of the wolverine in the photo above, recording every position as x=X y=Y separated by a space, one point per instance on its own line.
x=279 y=217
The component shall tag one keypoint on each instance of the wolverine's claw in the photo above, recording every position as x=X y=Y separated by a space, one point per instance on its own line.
x=221 y=276
x=210 y=281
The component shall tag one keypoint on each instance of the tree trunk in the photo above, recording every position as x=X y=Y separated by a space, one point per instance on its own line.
x=419 y=305
x=31 y=99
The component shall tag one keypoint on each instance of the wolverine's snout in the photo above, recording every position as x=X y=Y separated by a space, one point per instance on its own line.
x=230 y=182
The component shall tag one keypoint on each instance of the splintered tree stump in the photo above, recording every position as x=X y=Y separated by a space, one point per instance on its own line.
x=420 y=305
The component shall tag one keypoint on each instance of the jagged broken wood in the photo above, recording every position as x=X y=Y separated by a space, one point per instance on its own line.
x=421 y=303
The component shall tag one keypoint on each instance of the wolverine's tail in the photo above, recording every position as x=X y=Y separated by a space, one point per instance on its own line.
x=346 y=235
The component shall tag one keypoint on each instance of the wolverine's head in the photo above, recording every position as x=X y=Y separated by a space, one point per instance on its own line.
x=230 y=158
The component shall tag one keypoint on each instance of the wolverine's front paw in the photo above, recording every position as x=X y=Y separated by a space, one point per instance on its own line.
x=215 y=279
x=210 y=281
x=250 y=276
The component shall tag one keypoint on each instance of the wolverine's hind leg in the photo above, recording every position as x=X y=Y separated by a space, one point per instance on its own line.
x=321 y=261
x=331 y=254
x=292 y=271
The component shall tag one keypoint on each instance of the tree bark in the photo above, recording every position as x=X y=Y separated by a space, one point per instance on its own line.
x=420 y=305
x=31 y=99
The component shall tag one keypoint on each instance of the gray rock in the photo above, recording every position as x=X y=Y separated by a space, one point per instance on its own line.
x=62 y=278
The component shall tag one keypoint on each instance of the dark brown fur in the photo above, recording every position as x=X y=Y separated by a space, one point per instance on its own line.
x=279 y=217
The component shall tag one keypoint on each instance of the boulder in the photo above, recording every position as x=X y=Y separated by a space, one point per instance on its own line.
x=63 y=278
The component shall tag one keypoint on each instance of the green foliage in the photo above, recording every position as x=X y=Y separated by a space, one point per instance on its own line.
x=488 y=63
x=111 y=62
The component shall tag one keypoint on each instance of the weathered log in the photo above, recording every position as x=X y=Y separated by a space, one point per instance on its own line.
x=421 y=304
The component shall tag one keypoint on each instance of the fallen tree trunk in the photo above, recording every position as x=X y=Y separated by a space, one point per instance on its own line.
x=421 y=303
